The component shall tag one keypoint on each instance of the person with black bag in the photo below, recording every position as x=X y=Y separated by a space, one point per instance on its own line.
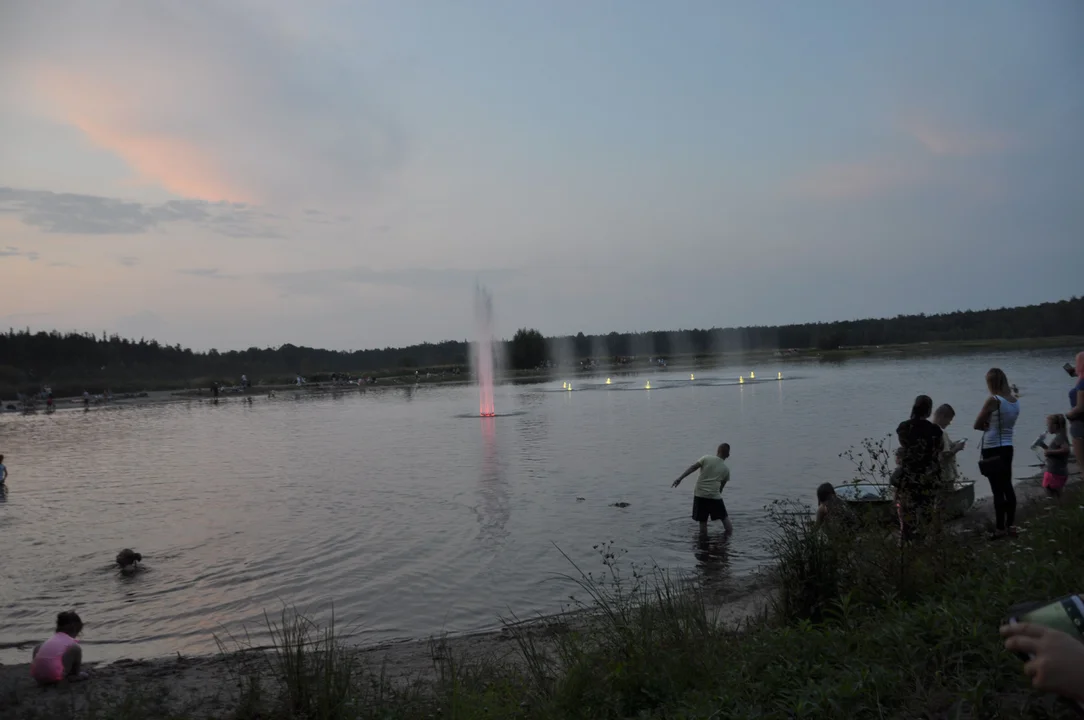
x=918 y=479
x=996 y=420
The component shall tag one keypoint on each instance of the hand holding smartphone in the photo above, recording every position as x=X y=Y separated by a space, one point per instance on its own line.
x=1050 y=640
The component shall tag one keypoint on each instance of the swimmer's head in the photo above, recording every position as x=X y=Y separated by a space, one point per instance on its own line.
x=69 y=622
x=723 y=451
x=825 y=492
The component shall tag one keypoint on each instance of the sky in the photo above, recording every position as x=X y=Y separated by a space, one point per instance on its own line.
x=342 y=173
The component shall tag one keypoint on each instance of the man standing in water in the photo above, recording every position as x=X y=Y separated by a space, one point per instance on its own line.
x=708 y=494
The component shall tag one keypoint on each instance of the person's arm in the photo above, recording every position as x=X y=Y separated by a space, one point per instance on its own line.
x=822 y=514
x=692 y=468
x=982 y=422
x=1077 y=411
x=901 y=437
x=1057 y=449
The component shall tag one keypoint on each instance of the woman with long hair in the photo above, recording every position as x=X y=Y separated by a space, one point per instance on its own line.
x=1075 y=416
x=919 y=489
x=996 y=420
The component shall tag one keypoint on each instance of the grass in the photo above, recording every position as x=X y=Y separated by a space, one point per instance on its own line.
x=858 y=628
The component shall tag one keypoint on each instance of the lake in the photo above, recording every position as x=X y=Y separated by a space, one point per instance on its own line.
x=410 y=519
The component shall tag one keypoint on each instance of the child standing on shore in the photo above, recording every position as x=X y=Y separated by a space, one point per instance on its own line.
x=1057 y=455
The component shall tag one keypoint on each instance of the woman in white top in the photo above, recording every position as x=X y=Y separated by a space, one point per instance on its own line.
x=997 y=419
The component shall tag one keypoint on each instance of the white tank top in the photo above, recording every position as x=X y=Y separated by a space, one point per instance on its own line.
x=1002 y=421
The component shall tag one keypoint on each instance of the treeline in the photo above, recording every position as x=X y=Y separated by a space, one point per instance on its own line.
x=77 y=360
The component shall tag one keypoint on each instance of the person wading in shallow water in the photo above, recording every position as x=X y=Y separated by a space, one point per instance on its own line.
x=708 y=494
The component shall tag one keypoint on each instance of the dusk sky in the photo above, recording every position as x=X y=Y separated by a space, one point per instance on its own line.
x=340 y=174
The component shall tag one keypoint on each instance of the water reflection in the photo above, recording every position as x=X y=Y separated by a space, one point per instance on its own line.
x=495 y=511
x=712 y=552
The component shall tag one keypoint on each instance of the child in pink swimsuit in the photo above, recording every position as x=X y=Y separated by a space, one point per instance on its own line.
x=60 y=656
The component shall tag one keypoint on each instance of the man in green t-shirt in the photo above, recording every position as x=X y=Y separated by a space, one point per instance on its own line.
x=708 y=493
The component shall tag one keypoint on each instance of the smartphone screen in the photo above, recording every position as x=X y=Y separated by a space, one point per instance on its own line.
x=1066 y=614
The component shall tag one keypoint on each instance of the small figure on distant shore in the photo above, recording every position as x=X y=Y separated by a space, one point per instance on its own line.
x=708 y=493
x=3 y=472
x=128 y=560
x=60 y=657
x=1057 y=455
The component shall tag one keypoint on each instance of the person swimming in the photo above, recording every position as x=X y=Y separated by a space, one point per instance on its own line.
x=127 y=559
x=60 y=657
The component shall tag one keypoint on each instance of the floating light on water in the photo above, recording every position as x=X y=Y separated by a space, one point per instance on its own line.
x=752 y=375
x=780 y=376
x=648 y=385
x=607 y=381
x=692 y=377
x=564 y=386
x=741 y=380
x=570 y=387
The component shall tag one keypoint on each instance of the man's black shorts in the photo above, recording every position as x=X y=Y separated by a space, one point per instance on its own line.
x=705 y=509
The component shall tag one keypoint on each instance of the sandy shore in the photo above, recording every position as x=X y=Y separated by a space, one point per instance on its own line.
x=207 y=687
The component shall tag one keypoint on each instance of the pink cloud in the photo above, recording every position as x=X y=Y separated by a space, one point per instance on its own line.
x=943 y=141
x=857 y=180
x=107 y=117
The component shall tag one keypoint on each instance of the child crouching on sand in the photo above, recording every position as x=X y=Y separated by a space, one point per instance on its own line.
x=1057 y=455
x=59 y=657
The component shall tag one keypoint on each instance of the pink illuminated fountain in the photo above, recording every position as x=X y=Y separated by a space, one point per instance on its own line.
x=483 y=350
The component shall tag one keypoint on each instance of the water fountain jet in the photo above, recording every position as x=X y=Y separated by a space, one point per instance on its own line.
x=483 y=360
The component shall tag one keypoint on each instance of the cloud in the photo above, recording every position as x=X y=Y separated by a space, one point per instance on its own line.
x=211 y=273
x=872 y=177
x=332 y=280
x=210 y=101
x=73 y=214
x=857 y=180
x=10 y=251
x=943 y=141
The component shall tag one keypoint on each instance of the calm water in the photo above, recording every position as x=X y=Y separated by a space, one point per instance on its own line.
x=411 y=520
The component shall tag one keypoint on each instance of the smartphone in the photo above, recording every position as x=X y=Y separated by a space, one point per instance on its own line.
x=1070 y=369
x=1065 y=614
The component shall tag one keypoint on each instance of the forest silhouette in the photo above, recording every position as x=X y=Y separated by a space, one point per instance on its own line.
x=72 y=362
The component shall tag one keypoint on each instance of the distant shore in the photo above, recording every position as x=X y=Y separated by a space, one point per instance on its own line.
x=168 y=391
